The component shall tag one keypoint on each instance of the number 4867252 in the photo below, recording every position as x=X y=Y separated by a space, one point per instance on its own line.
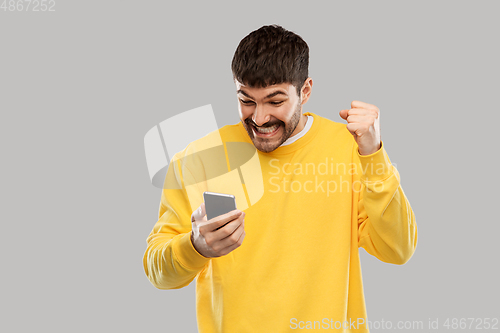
x=28 y=5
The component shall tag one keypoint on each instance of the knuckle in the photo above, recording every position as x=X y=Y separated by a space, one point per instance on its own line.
x=226 y=231
x=234 y=238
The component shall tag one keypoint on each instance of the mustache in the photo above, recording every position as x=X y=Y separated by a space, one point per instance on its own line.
x=249 y=122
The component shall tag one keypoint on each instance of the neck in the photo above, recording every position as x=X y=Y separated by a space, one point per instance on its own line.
x=300 y=125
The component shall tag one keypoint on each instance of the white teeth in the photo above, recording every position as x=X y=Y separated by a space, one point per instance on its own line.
x=265 y=130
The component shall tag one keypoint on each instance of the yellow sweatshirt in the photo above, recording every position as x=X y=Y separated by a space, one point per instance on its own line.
x=309 y=206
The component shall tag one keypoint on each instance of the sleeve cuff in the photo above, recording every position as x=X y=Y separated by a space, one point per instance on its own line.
x=187 y=254
x=376 y=166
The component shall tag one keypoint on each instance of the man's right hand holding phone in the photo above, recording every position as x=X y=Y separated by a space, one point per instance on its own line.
x=212 y=242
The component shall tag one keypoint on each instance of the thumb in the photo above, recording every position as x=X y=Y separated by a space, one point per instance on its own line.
x=198 y=215
x=343 y=114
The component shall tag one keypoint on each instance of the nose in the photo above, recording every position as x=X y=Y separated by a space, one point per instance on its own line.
x=260 y=116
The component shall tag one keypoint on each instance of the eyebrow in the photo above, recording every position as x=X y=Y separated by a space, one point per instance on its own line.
x=277 y=92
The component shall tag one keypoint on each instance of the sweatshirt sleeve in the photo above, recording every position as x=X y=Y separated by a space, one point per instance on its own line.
x=170 y=260
x=386 y=223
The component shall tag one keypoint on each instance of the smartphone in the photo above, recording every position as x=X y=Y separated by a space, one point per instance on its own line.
x=218 y=204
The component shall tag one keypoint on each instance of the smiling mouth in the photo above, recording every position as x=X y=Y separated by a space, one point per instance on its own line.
x=266 y=131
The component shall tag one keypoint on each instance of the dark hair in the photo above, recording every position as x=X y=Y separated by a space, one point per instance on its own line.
x=271 y=55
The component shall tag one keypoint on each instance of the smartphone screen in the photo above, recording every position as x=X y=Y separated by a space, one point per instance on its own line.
x=218 y=204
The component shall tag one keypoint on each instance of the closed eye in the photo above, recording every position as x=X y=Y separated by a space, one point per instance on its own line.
x=246 y=102
x=251 y=102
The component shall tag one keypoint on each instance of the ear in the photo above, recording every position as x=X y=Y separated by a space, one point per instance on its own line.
x=306 y=90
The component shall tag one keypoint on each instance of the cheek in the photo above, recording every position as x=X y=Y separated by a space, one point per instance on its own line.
x=244 y=112
x=285 y=114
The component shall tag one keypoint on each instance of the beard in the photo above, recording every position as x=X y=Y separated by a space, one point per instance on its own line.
x=267 y=145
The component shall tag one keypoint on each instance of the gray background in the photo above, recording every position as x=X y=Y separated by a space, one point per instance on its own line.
x=81 y=86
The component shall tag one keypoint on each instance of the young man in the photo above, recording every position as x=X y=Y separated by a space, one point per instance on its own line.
x=290 y=260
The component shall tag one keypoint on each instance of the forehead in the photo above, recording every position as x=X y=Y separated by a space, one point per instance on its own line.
x=244 y=89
